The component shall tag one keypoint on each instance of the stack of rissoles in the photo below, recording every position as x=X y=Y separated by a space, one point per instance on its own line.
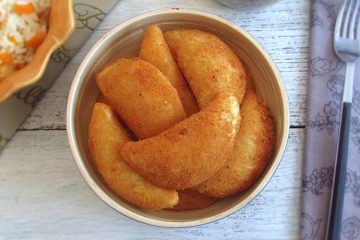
x=180 y=126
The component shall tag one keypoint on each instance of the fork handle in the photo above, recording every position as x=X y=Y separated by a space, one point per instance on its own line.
x=337 y=197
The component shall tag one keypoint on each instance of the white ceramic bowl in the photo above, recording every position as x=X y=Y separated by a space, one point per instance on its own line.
x=124 y=40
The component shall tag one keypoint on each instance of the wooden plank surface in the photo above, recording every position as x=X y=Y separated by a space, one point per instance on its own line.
x=42 y=195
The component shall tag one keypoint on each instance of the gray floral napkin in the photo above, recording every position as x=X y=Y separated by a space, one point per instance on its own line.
x=326 y=78
x=13 y=111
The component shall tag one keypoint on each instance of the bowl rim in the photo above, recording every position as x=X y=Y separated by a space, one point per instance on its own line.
x=42 y=54
x=71 y=133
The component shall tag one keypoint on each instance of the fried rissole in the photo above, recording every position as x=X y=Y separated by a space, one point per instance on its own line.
x=105 y=135
x=141 y=95
x=253 y=149
x=208 y=64
x=155 y=51
x=189 y=152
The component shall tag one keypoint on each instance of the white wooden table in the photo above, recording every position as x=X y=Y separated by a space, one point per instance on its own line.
x=42 y=195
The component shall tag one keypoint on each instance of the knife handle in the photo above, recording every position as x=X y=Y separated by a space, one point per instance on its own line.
x=338 y=192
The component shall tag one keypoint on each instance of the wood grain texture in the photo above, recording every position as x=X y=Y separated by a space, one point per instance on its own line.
x=42 y=195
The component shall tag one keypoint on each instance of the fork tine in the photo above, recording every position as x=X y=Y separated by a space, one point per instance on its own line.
x=348 y=12
x=347 y=31
x=357 y=20
x=354 y=18
x=340 y=21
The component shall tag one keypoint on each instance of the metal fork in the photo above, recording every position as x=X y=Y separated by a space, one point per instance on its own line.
x=347 y=48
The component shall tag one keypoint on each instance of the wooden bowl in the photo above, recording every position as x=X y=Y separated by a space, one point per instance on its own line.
x=61 y=25
x=124 y=40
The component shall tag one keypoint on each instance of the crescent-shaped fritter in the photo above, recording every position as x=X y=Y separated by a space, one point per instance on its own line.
x=141 y=95
x=253 y=149
x=208 y=64
x=105 y=135
x=189 y=152
x=155 y=51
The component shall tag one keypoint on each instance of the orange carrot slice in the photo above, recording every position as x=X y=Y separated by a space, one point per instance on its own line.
x=12 y=39
x=6 y=58
x=23 y=8
x=35 y=40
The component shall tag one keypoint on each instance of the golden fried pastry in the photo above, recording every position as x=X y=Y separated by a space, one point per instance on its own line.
x=105 y=135
x=191 y=200
x=155 y=51
x=189 y=152
x=253 y=149
x=141 y=95
x=207 y=63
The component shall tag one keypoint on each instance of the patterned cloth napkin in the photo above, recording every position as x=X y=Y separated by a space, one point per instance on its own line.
x=13 y=111
x=326 y=78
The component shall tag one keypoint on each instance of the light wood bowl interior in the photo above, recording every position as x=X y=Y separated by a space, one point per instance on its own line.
x=61 y=25
x=124 y=41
